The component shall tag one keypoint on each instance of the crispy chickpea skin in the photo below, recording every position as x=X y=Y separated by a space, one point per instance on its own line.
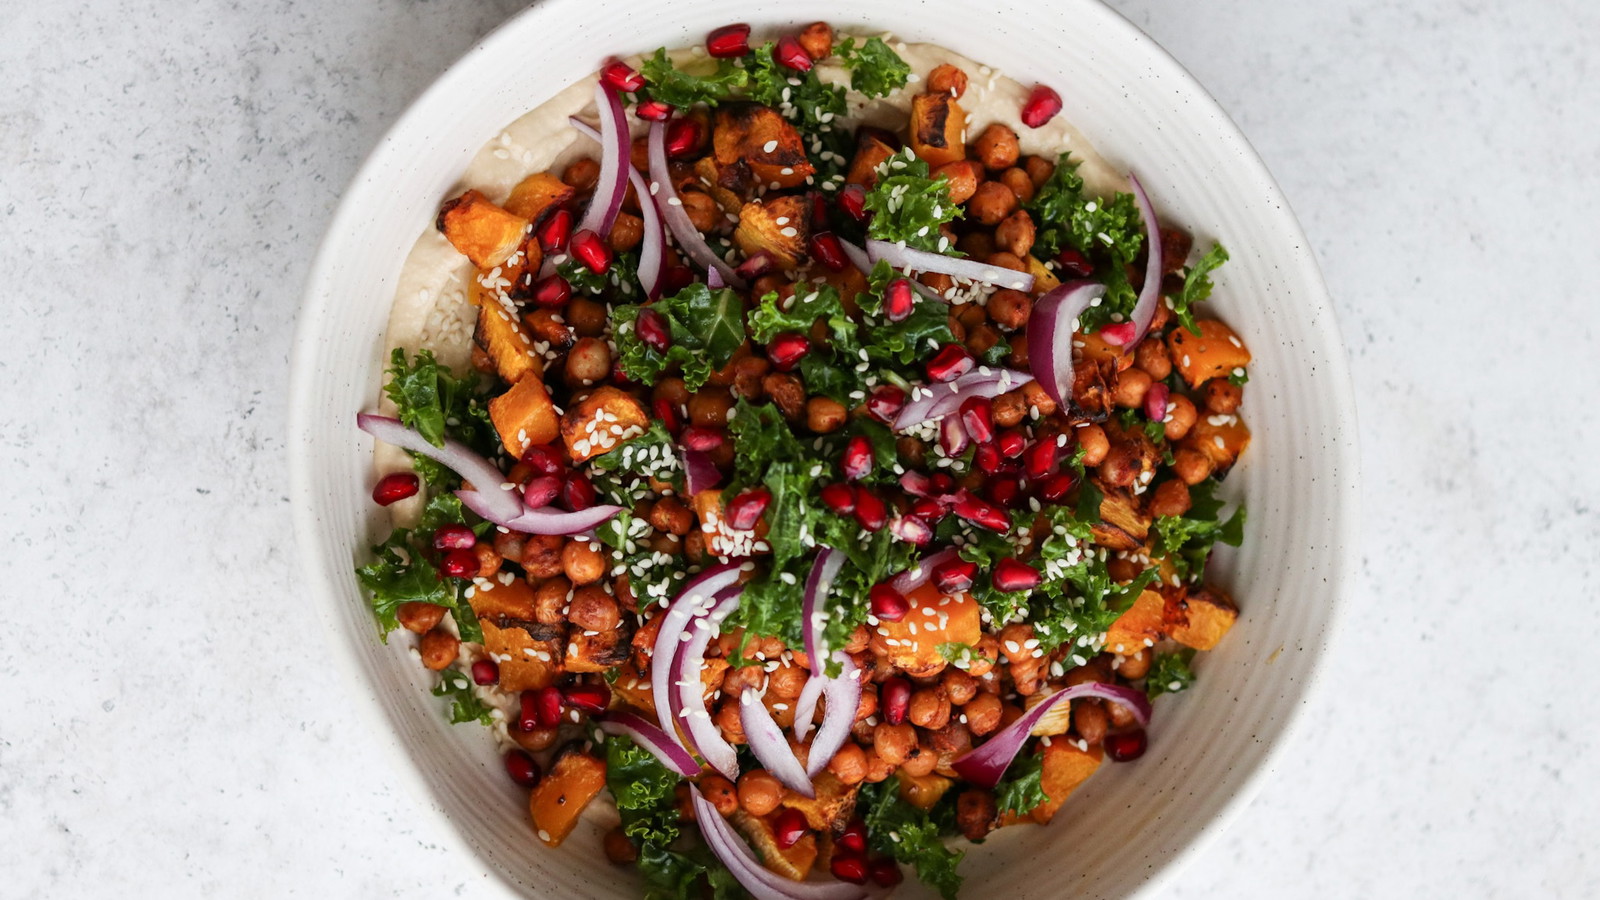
x=1009 y=309
x=930 y=708
x=619 y=848
x=893 y=743
x=1222 y=397
x=991 y=203
x=1019 y=183
x=721 y=793
x=670 y=515
x=947 y=79
x=1171 y=498
x=1135 y=666
x=1009 y=409
x=1181 y=416
x=920 y=761
x=963 y=178
x=488 y=560
x=959 y=686
x=1192 y=466
x=825 y=414
x=582 y=562
x=587 y=317
x=877 y=769
x=1015 y=234
x=759 y=792
x=703 y=211
x=709 y=407
x=817 y=40
x=1039 y=169
x=976 y=814
x=419 y=618
x=592 y=609
x=983 y=713
x=438 y=649
x=1095 y=444
x=626 y=233
x=849 y=765
x=535 y=739
x=1089 y=720
x=1033 y=392
x=541 y=555
x=997 y=148
x=728 y=721
x=787 y=392
x=786 y=682
x=1151 y=356
x=1130 y=387
x=588 y=361
x=582 y=174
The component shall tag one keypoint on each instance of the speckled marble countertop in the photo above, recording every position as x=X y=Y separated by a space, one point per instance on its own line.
x=166 y=171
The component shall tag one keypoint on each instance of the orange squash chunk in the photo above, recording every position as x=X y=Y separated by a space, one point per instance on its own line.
x=793 y=862
x=759 y=146
x=870 y=154
x=723 y=539
x=1144 y=621
x=526 y=663
x=524 y=416
x=937 y=126
x=600 y=422
x=537 y=193
x=558 y=800
x=1200 y=618
x=1221 y=443
x=923 y=791
x=1214 y=353
x=935 y=618
x=500 y=334
x=1065 y=767
x=486 y=233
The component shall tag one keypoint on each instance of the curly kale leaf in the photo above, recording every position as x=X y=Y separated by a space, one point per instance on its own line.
x=707 y=328
x=909 y=206
x=875 y=70
x=437 y=404
x=670 y=84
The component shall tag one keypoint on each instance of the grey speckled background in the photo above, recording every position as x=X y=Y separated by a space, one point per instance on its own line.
x=168 y=727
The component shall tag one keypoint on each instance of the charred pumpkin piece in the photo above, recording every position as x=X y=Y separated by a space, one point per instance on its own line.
x=871 y=152
x=600 y=422
x=833 y=806
x=527 y=660
x=486 y=233
x=633 y=689
x=1092 y=399
x=1215 y=353
x=501 y=335
x=937 y=126
x=1065 y=767
x=1044 y=280
x=793 y=862
x=1122 y=525
x=710 y=177
x=1141 y=626
x=1097 y=348
x=596 y=651
x=923 y=791
x=779 y=226
x=537 y=193
x=1222 y=442
x=1057 y=721
x=559 y=799
x=493 y=601
x=1200 y=618
x=524 y=416
x=722 y=539
x=955 y=620
x=760 y=146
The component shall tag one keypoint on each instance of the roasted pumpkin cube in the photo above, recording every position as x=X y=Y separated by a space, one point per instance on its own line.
x=559 y=799
x=793 y=862
x=755 y=138
x=935 y=618
x=1141 y=626
x=871 y=152
x=601 y=421
x=524 y=416
x=537 y=193
x=1065 y=767
x=1200 y=618
x=833 y=806
x=504 y=596
x=1123 y=526
x=936 y=129
x=1214 y=353
x=1221 y=439
x=711 y=179
x=529 y=654
x=633 y=689
x=1044 y=280
x=596 y=651
x=849 y=282
x=923 y=791
x=1057 y=721
x=722 y=539
x=1090 y=345
x=486 y=233
x=501 y=335
x=779 y=226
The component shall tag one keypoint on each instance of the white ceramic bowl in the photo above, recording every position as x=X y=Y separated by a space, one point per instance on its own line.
x=1131 y=825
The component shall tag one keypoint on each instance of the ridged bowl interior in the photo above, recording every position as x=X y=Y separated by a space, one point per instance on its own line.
x=1131 y=823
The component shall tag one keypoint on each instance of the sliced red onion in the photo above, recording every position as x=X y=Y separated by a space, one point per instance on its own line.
x=663 y=746
x=699 y=472
x=770 y=746
x=697 y=595
x=935 y=401
x=805 y=706
x=454 y=455
x=844 y=698
x=544 y=520
x=985 y=765
x=690 y=689
x=714 y=280
x=1144 y=312
x=761 y=882
x=857 y=256
x=905 y=258
x=1051 y=326
x=652 y=247
x=823 y=571
x=918 y=575
x=666 y=199
x=612 y=185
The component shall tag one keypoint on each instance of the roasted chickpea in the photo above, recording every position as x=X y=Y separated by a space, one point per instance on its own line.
x=671 y=389
x=982 y=713
x=1175 y=246
x=541 y=555
x=709 y=407
x=1121 y=466
x=1009 y=409
x=419 y=618
x=582 y=174
x=858 y=640
x=1019 y=183
x=877 y=769
x=786 y=682
x=947 y=79
x=535 y=739
x=1089 y=720
x=488 y=560
x=1095 y=444
x=1019 y=351
x=930 y=708
x=1171 y=498
x=1130 y=387
x=663 y=542
x=893 y=743
x=976 y=244
x=747 y=374
x=867 y=706
x=1192 y=466
x=619 y=847
x=1097 y=669
x=759 y=792
x=985 y=653
x=592 y=609
x=1151 y=356
x=1039 y=169
x=728 y=721
x=1003 y=259
x=582 y=561
x=981 y=338
x=588 y=361
x=670 y=515
x=997 y=147
x=1034 y=394
x=912 y=450
x=825 y=414
x=771 y=283
x=626 y=233
x=1222 y=397
x=1134 y=666
x=438 y=649
x=959 y=686
x=1015 y=234
x=920 y=761
x=962 y=177
x=957 y=329
x=787 y=392
x=694 y=546
x=550 y=600
x=991 y=203
x=587 y=317
x=1028 y=675
x=721 y=794
x=976 y=814
x=738 y=678
x=817 y=40
x=1181 y=416
x=849 y=765
x=1009 y=309
x=681 y=800
x=703 y=211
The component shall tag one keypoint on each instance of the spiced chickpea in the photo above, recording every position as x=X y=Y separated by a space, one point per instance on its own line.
x=1121 y=466
x=1130 y=387
x=582 y=174
x=1018 y=182
x=1016 y=233
x=682 y=802
x=535 y=739
x=488 y=560
x=703 y=211
x=1134 y=666
x=985 y=653
x=982 y=713
x=1181 y=416
x=721 y=793
x=1009 y=309
x=849 y=765
x=671 y=389
x=1192 y=466
x=982 y=338
x=1151 y=355
x=1097 y=669
x=825 y=414
x=1039 y=169
x=728 y=721
x=1122 y=570
x=419 y=618
x=1019 y=351
x=1014 y=642
x=1170 y=498
x=1095 y=444
x=592 y=609
x=670 y=515
x=786 y=682
x=938 y=282
x=877 y=769
x=947 y=79
x=970 y=315
x=588 y=361
x=997 y=148
x=1175 y=246
x=1003 y=259
x=541 y=555
x=747 y=374
x=912 y=450
x=619 y=847
x=930 y=708
x=438 y=649
x=587 y=317
x=787 y=392
x=738 y=678
x=694 y=546
x=1120 y=716
x=1008 y=409
x=893 y=743
x=1034 y=394
x=709 y=407
x=1028 y=675
x=957 y=329
x=772 y=283
x=1089 y=719
x=858 y=640
x=817 y=40
x=867 y=706
x=976 y=244
x=991 y=203
x=976 y=814
x=959 y=686
x=1222 y=397
x=759 y=792
x=582 y=561
x=626 y=232
x=961 y=177
x=550 y=600
x=639 y=158
x=920 y=761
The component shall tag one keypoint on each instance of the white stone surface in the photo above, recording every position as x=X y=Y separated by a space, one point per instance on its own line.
x=169 y=728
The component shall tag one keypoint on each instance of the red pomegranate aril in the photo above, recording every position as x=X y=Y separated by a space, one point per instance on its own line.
x=653 y=329
x=622 y=76
x=789 y=828
x=915 y=483
x=856 y=463
x=786 y=351
x=841 y=498
x=954 y=576
x=1043 y=104
x=885 y=872
x=552 y=292
x=987 y=458
x=745 y=510
x=459 y=564
x=395 y=487
x=653 y=110
x=675 y=279
x=826 y=249
x=953 y=437
x=1011 y=574
x=1155 y=402
x=898 y=300
x=911 y=529
x=729 y=41
x=1056 y=488
x=683 y=137
x=885 y=402
x=541 y=491
x=854 y=836
x=756 y=265
x=555 y=231
x=667 y=415
x=1004 y=491
x=1075 y=263
x=485 y=671
x=454 y=537
x=1011 y=443
x=950 y=363
x=853 y=200
x=928 y=510
x=819 y=215
x=894 y=698
x=941 y=483
x=870 y=512
x=578 y=492
x=591 y=697
x=1040 y=460
x=701 y=438
x=544 y=459
x=1121 y=334
x=848 y=866
x=977 y=414
x=522 y=769
x=981 y=513
x=1126 y=746
x=592 y=251
x=791 y=55
x=541 y=706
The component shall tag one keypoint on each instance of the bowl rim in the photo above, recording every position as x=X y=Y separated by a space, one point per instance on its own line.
x=313 y=554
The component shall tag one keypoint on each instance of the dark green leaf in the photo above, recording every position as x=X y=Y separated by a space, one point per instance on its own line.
x=1170 y=673
x=908 y=206
x=875 y=70
x=911 y=836
x=437 y=404
x=682 y=89
x=1197 y=287
x=1022 y=788
x=464 y=704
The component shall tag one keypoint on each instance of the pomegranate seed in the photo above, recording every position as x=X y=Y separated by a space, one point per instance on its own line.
x=786 y=351
x=527 y=716
x=950 y=363
x=683 y=137
x=1075 y=263
x=622 y=76
x=916 y=483
x=729 y=41
x=953 y=438
x=653 y=329
x=841 y=498
x=676 y=278
x=459 y=564
x=1040 y=459
x=819 y=214
x=853 y=200
x=791 y=55
x=554 y=231
x=886 y=872
x=541 y=708
x=653 y=110
x=1004 y=491
x=911 y=529
x=544 y=459
x=1011 y=443
x=592 y=251
x=591 y=698
x=552 y=292
x=1127 y=746
x=789 y=828
x=826 y=249
x=485 y=671
x=848 y=866
x=395 y=487
x=894 y=696
x=756 y=265
x=954 y=576
x=928 y=510
x=699 y=437
x=1042 y=106
x=977 y=414
x=1013 y=575
x=1056 y=487
x=454 y=537
x=1155 y=402
x=941 y=483
x=522 y=769
x=981 y=513
x=1120 y=334
x=746 y=509
x=898 y=299
x=871 y=513
x=578 y=492
x=667 y=415
x=541 y=491
x=856 y=463
x=987 y=458
x=885 y=402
